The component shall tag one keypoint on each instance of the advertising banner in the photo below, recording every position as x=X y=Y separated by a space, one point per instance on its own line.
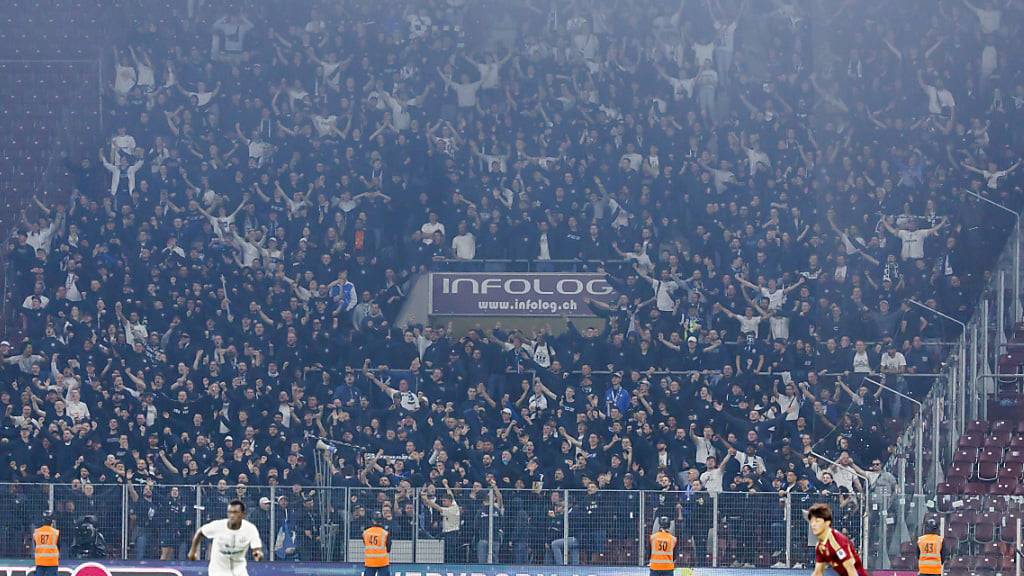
x=153 y=568
x=517 y=294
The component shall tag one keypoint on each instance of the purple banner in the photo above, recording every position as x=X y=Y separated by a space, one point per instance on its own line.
x=517 y=294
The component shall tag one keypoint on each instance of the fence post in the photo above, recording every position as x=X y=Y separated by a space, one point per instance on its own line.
x=49 y=498
x=789 y=529
x=415 y=521
x=1001 y=312
x=714 y=531
x=973 y=394
x=346 y=531
x=124 y=522
x=1017 y=548
x=640 y=531
x=962 y=402
x=565 y=528
x=490 y=527
x=866 y=519
x=919 y=452
x=937 y=441
x=273 y=522
x=985 y=362
x=883 y=548
x=199 y=507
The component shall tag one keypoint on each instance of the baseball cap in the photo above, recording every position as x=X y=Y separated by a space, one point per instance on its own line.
x=264 y=500
x=691 y=339
x=5 y=343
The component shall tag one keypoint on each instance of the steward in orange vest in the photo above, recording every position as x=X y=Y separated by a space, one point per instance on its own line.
x=377 y=544
x=929 y=546
x=663 y=547
x=44 y=540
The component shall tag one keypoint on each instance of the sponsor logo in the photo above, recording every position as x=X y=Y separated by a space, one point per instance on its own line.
x=519 y=286
x=508 y=294
x=92 y=569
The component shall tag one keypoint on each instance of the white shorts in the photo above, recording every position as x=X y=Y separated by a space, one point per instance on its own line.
x=227 y=571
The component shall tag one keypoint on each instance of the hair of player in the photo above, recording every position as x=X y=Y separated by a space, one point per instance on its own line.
x=822 y=511
x=239 y=503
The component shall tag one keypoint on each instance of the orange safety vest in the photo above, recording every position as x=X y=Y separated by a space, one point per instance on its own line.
x=375 y=542
x=663 y=545
x=930 y=559
x=45 y=540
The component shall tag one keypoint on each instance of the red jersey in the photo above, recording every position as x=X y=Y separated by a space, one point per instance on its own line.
x=837 y=549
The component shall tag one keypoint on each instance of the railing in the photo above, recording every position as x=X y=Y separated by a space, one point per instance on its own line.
x=926 y=449
x=507 y=526
x=523 y=527
x=507 y=265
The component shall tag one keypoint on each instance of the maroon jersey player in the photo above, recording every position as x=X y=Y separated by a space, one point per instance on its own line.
x=834 y=548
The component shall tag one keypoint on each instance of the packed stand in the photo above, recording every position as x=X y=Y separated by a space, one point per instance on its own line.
x=220 y=288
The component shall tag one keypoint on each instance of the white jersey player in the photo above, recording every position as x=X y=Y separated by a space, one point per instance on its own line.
x=232 y=538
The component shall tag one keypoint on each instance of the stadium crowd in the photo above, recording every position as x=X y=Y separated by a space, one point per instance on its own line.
x=220 y=288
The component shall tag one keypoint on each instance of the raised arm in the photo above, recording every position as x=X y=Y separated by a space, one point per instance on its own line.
x=938 y=226
x=970 y=168
x=726 y=311
x=796 y=285
x=889 y=227
x=430 y=503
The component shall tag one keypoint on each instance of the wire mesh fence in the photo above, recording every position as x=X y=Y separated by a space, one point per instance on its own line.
x=536 y=526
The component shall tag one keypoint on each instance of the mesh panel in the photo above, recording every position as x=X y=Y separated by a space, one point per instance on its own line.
x=752 y=529
x=522 y=527
x=605 y=524
x=533 y=520
x=22 y=506
x=91 y=519
x=693 y=514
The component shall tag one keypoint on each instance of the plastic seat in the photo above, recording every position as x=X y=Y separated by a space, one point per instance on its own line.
x=1012 y=469
x=981 y=426
x=905 y=562
x=1014 y=457
x=972 y=440
x=991 y=454
x=969 y=455
x=989 y=548
x=908 y=548
x=959 y=470
x=965 y=563
x=986 y=564
x=1005 y=487
x=958 y=530
x=987 y=471
x=1000 y=426
x=1000 y=440
x=976 y=488
x=985 y=528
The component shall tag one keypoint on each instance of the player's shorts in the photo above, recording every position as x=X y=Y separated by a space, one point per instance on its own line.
x=662 y=572
x=45 y=571
x=378 y=571
x=236 y=571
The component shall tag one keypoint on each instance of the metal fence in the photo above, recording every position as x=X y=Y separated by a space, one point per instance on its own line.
x=595 y=527
x=478 y=525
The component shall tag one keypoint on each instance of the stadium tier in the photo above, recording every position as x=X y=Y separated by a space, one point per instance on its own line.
x=522 y=277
